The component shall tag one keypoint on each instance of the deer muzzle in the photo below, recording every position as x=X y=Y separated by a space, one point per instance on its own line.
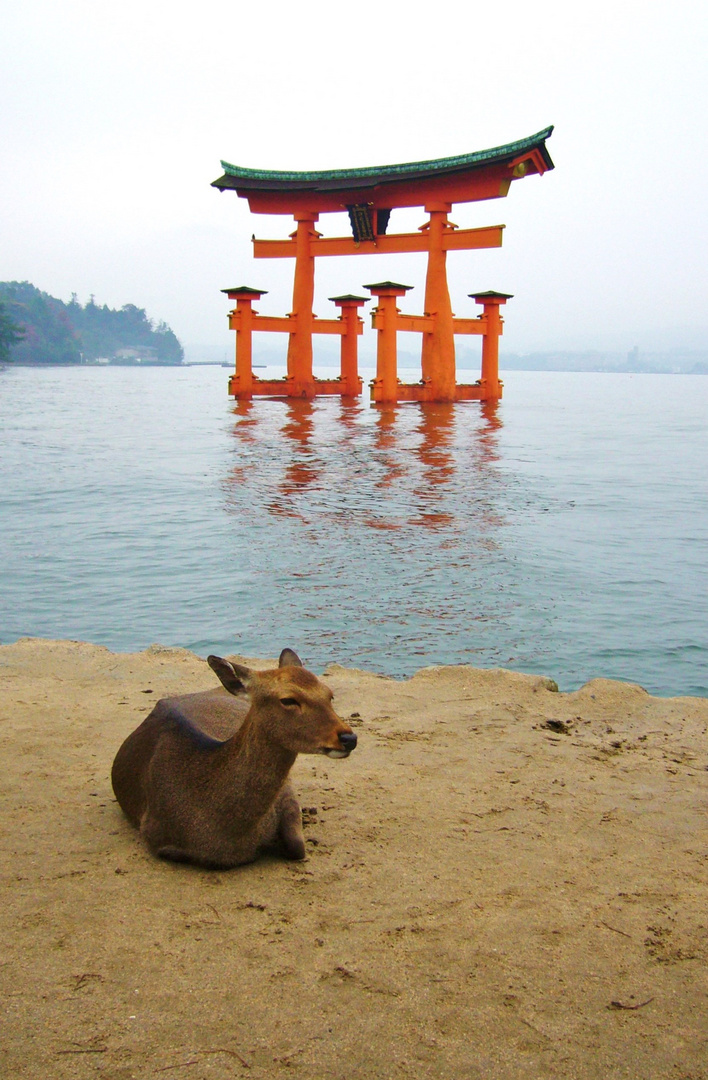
x=347 y=741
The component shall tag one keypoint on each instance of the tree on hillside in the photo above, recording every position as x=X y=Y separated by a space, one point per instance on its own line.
x=47 y=334
x=10 y=334
x=167 y=346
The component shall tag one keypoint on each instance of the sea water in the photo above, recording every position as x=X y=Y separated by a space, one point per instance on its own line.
x=562 y=532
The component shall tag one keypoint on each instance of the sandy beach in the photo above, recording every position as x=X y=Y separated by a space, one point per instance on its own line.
x=502 y=882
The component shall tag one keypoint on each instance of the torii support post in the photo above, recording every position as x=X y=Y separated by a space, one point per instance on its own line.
x=489 y=379
x=384 y=388
x=353 y=326
x=241 y=320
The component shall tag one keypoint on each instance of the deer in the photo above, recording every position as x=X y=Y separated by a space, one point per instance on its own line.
x=205 y=777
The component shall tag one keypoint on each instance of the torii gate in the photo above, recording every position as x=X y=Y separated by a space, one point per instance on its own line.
x=369 y=195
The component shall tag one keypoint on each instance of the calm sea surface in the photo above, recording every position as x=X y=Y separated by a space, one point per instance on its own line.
x=564 y=532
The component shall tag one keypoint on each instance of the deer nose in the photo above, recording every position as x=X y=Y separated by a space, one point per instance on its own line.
x=348 y=740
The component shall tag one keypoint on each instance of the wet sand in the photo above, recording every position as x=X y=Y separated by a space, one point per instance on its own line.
x=502 y=882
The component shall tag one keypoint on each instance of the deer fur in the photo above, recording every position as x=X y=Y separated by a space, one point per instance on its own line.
x=205 y=776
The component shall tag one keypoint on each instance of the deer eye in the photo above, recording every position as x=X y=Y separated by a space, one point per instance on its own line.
x=289 y=702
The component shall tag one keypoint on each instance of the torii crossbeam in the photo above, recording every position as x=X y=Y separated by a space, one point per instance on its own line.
x=369 y=195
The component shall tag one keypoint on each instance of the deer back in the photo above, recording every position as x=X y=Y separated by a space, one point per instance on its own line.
x=195 y=722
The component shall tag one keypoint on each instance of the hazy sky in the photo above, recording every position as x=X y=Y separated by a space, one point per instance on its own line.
x=114 y=119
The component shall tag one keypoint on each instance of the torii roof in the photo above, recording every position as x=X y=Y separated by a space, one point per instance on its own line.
x=388 y=185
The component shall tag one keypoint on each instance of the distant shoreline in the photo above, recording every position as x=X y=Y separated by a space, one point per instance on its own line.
x=95 y=364
x=699 y=370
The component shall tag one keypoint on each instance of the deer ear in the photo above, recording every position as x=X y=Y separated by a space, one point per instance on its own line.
x=234 y=677
x=288 y=658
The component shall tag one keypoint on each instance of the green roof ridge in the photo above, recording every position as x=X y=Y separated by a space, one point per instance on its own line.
x=479 y=157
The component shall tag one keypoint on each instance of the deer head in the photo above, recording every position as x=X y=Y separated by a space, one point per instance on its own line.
x=292 y=705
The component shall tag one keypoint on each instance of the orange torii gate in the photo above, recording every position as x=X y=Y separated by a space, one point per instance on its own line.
x=369 y=195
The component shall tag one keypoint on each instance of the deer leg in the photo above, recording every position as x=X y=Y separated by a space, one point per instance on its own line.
x=290 y=831
x=152 y=832
x=174 y=854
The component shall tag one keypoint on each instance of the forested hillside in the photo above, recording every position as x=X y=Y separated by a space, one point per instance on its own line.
x=54 y=332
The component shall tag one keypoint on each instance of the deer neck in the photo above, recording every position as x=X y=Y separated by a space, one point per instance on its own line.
x=255 y=768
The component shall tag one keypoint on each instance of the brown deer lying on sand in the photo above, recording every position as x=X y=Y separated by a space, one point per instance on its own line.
x=205 y=776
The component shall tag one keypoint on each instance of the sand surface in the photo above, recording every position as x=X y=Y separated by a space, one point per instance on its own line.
x=485 y=895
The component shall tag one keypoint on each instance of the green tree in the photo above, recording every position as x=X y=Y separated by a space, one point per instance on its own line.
x=10 y=333
x=47 y=335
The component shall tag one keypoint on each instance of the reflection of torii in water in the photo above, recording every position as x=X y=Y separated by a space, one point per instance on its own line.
x=398 y=498
x=301 y=471
x=369 y=195
x=437 y=428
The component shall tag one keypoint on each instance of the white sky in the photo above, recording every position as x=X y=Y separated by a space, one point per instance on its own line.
x=114 y=119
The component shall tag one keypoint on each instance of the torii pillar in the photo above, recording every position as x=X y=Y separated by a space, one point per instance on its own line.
x=384 y=316
x=241 y=382
x=489 y=379
x=349 y=355
x=300 y=340
x=438 y=351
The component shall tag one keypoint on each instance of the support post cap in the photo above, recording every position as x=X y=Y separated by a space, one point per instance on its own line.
x=490 y=296
x=388 y=288
x=349 y=298
x=243 y=291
